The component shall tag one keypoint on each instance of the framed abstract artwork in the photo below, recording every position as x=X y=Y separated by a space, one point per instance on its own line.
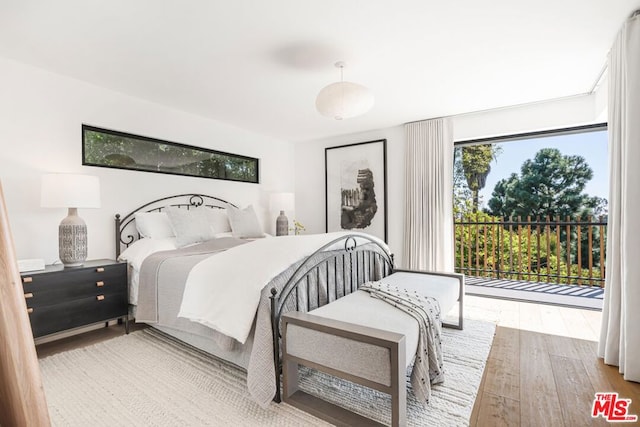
x=113 y=149
x=356 y=187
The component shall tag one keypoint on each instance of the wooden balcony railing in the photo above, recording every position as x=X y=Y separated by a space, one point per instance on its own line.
x=568 y=251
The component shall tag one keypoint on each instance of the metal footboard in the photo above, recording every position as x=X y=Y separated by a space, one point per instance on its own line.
x=333 y=271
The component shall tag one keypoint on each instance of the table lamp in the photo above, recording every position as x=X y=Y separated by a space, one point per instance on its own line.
x=71 y=191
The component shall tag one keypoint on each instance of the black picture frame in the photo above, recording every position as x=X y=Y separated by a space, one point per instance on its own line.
x=120 y=150
x=356 y=188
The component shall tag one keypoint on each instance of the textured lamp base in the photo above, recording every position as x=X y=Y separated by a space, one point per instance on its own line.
x=72 y=240
x=282 y=225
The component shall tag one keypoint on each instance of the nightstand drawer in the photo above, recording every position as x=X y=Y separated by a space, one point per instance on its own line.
x=54 y=318
x=60 y=298
x=62 y=286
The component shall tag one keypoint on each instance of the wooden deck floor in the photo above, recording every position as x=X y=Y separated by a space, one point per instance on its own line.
x=590 y=297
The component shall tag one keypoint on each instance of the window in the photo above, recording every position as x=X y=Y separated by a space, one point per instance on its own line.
x=113 y=149
x=533 y=206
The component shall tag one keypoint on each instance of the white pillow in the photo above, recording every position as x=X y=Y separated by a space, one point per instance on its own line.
x=190 y=225
x=219 y=220
x=154 y=225
x=140 y=249
x=244 y=223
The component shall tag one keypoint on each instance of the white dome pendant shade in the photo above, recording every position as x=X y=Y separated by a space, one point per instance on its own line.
x=342 y=100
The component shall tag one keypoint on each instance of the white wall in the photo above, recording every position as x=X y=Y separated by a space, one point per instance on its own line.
x=310 y=181
x=40 y=131
x=560 y=113
x=309 y=156
x=40 y=118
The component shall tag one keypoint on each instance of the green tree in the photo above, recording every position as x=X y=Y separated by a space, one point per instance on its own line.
x=476 y=165
x=551 y=184
x=461 y=192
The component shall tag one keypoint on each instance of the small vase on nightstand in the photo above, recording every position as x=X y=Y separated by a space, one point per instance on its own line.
x=282 y=225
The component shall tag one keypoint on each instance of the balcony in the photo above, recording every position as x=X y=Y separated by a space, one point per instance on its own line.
x=556 y=261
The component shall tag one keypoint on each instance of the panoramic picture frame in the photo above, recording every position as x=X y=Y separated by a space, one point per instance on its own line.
x=356 y=187
x=120 y=150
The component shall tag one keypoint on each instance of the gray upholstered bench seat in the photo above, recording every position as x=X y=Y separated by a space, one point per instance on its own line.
x=361 y=309
x=364 y=339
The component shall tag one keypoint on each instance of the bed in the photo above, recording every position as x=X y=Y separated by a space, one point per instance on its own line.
x=291 y=273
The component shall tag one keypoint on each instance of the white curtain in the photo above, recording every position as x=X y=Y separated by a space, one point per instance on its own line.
x=428 y=225
x=620 y=333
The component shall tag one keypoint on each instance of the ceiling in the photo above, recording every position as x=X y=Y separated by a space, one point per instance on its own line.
x=258 y=64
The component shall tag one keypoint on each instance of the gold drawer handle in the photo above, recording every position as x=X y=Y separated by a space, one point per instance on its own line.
x=100 y=284
x=100 y=297
x=29 y=310
x=27 y=279
x=100 y=269
x=29 y=295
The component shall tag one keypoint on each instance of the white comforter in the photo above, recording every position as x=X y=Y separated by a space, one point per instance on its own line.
x=223 y=291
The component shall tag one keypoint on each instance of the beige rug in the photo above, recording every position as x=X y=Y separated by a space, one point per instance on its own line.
x=147 y=379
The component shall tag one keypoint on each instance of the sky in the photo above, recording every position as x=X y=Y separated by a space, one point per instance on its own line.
x=590 y=145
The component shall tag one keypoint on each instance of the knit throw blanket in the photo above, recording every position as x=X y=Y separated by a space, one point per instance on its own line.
x=428 y=365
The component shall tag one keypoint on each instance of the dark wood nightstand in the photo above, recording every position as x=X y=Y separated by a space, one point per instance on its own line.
x=61 y=298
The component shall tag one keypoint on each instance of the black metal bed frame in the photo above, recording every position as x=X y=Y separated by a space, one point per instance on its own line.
x=354 y=259
x=125 y=224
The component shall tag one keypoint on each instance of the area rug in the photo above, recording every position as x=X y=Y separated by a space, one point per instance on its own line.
x=148 y=379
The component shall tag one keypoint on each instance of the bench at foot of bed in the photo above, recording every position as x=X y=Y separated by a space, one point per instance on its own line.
x=313 y=341
x=362 y=340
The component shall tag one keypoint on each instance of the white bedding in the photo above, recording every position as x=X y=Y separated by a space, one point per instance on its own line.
x=135 y=255
x=234 y=285
x=223 y=291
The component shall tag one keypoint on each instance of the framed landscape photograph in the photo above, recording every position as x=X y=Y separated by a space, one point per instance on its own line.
x=356 y=187
x=113 y=149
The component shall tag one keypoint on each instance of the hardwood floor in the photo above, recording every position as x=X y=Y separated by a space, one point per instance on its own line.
x=542 y=369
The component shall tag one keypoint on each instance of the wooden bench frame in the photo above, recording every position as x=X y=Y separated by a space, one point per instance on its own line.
x=328 y=411
x=393 y=341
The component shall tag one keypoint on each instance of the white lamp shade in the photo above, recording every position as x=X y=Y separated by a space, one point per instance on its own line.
x=61 y=190
x=282 y=202
x=342 y=100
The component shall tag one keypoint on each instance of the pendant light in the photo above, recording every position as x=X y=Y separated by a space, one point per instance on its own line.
x=342 y=100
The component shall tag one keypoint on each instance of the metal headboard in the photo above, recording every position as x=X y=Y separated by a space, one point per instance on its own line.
x=125 y=229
